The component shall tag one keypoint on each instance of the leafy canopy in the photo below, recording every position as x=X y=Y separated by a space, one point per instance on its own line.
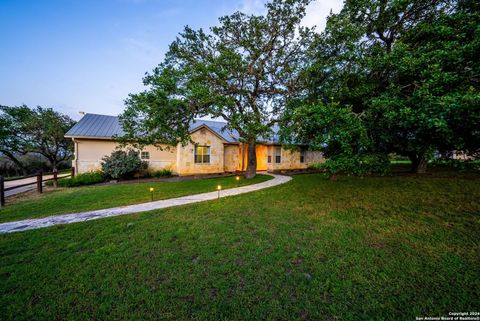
x=37 y=130
x=243 y=70
x=408 y=70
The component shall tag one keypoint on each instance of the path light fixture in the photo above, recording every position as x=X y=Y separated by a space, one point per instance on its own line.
x=237 y=178
x=219 y=188
x=151 y=192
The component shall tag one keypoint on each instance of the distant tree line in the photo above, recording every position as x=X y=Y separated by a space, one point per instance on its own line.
x=385 y=76
x=32 y=139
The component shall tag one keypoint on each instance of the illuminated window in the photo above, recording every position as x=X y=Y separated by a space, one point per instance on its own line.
x=202 y=154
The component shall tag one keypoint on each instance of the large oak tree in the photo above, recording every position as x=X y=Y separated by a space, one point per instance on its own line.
x=406 y=69
x=244 y=70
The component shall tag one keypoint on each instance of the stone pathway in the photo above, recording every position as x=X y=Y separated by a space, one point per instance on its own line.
x=24 y=225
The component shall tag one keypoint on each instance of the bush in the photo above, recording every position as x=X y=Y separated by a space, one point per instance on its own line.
x=166 y=172
x=123 y=164
x=357 y=164
x=80 y=180
x=458 y=164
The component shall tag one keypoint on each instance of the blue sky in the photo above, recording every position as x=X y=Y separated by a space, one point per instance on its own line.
x=88 y=55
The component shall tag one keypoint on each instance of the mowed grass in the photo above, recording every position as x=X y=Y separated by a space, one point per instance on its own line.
x=389 y=248
x=88 y=198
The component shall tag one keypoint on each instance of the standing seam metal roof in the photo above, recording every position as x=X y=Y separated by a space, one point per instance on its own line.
x=104 y=126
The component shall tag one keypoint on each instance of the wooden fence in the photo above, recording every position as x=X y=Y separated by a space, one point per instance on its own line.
x=40 y=179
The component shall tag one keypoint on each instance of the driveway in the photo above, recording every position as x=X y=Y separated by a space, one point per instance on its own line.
x=27 y=180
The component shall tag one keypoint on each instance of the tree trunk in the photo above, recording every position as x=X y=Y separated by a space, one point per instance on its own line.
x=16 y=162
x=419 y=164
x=54 y=165
x=252 y=160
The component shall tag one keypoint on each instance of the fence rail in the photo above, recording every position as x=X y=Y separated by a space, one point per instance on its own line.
x=40 y=179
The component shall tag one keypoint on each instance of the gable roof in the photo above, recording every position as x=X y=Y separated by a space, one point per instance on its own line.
x=96 y=126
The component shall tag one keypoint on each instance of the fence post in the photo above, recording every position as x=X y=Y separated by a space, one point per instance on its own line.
x=2 y=192
x=55 y=173
x=73 y=172
x=39 y=182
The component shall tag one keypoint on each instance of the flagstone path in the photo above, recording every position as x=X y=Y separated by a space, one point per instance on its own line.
x=30 y=224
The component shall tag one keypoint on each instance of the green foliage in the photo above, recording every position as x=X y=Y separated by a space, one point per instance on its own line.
x=123 y=164
x=39 y=130
x=80 y=180
x=458 y=164
x=408 y=69
x=330 y=127
x=357 y=164
x=165 y=172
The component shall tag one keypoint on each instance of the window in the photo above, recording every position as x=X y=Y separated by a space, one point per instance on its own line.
x=302 y=156
x=269 y=155
x=202 y=154
x=145 y=155
x=278 y=155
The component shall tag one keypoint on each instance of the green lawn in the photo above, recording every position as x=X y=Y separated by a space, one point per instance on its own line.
x=99 y=197
x=389 y=248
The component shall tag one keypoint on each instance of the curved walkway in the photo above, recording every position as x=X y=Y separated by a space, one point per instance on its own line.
x=31 y=224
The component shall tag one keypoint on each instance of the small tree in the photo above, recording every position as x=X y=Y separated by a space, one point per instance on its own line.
x=122 y=164
x=243 y=71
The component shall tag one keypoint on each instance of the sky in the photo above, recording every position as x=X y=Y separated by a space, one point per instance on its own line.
x=88 y=55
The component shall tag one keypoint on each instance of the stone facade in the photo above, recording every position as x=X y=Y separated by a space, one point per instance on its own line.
x=223 y=156
x=186 y=164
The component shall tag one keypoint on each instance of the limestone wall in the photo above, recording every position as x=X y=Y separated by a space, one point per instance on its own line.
x=185 y=157
x=232 y=157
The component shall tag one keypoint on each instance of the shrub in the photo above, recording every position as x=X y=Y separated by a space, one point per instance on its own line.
x=357 y=164
x=162 y=173
x=80 y=180
x=123 y=164
x=458 y=164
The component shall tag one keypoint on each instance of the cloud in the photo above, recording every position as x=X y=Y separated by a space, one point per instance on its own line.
x=316 y=15
x=318 y=11
x=256 y=7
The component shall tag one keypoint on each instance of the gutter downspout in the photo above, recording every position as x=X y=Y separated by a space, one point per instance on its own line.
x=75 y=144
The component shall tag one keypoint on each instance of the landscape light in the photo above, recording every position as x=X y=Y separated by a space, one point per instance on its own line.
x=219 y=188
x=151 y=191
x=237 y=178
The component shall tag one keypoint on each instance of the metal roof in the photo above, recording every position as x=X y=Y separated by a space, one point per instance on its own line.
x=96 y=126
x=105 y=127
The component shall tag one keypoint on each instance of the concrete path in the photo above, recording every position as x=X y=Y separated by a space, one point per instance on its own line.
x=130 y=209
x=27 y=180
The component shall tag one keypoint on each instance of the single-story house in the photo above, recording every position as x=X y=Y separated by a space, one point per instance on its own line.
x=215 y=149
